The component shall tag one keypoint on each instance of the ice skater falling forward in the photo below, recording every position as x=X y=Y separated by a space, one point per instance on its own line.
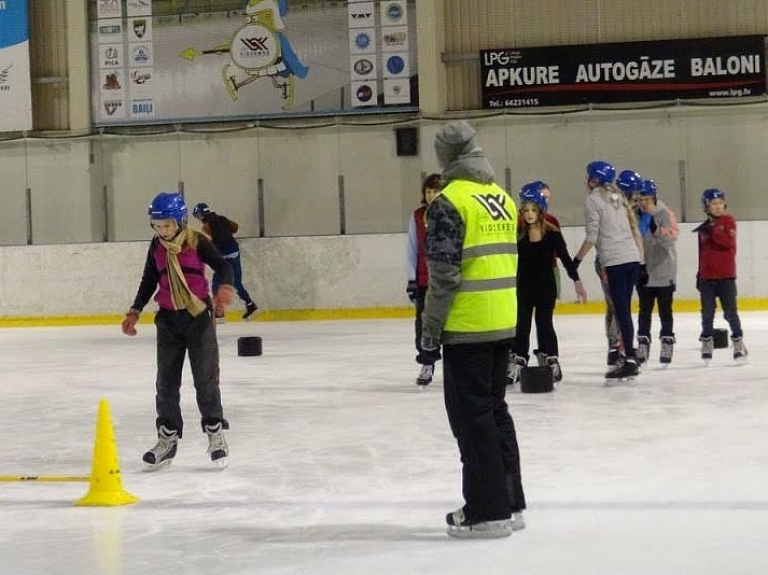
x=174 y=272
x=259 y=49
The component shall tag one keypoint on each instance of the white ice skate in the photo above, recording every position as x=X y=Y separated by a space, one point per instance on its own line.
x=162 y=454
x=217 y=445
x=739 y=350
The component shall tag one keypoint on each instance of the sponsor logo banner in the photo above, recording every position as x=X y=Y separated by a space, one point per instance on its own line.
x=361 y=14
x=109 y=9
x=364 y=93
x=725 y=67
x=15 y=82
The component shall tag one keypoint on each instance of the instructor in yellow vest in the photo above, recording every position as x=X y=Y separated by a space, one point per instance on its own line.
x=471 y=310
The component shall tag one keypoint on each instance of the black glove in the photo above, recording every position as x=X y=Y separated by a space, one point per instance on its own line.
x=430 y=351
x=576 y=263
x=412 y=290
x=698 y=282
x=652 y=226
x=642 y=277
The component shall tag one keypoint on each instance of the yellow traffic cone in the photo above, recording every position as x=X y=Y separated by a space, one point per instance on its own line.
x=106 y=487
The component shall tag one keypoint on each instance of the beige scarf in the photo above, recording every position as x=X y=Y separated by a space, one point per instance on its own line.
x=181 y=296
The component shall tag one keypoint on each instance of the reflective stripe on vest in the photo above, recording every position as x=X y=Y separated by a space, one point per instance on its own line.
x=487 y=298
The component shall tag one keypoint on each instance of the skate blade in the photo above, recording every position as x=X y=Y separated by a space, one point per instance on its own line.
x=151 y=467
x=221 y=463
x=619 y=381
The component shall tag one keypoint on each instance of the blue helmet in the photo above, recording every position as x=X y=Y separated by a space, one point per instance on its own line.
x=200 y=210
x=709 y=195
x=648 y=188
x=531 y=192
x=629 y=182
x=601 y=171
x=168 y=206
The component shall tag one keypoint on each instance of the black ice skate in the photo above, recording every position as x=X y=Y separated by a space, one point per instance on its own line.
x=461 y=527
x=554 y=365
x=624 y=371
x=250 y=309
x=643 y=349
x=217 y=445
x=613 y=356
x=667 y=349
x=516 y=363
x=425 y=376
x=164 y=451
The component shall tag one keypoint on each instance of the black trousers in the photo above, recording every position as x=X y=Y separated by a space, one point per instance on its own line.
x=649 y=296
x=474 y=376
x=724 y=290
x=421 y=295
x=538 y=306
x=178 y=333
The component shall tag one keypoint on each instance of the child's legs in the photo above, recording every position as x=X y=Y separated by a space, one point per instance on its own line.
x=647 y=297
x=421 y=296
x=621 y=282
x=707 y=292
x=204 y=361
x=612 y=332
x=522 y=342
x=237 y=272
x=545 y=327
x=171 y=349
x=727 y=294
x=664 y=298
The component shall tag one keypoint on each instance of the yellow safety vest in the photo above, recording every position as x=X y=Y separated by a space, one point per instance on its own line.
x=487 y=298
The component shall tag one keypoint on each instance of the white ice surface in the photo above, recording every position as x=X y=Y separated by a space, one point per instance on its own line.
x=339 y=465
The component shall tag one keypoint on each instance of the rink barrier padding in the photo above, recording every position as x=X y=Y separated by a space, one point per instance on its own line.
x=536 y=379
x=248 y=346
x=564 y=307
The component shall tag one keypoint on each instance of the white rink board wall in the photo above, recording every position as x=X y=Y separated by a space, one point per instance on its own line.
x=305 y=273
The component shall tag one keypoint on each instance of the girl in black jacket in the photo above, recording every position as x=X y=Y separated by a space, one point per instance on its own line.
x=537 y=241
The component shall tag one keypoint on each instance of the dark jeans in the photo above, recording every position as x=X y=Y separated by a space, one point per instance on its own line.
x=474 y=376
x=649 y=296
x=725 y=291
x=621 y=284
x=237 y=272
x=541 y=306
x=421 y=295
x=178 y=333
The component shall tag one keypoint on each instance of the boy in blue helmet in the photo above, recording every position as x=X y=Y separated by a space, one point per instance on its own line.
x=611 y=228
x=657 y=285
x=174 y=272
x=716 y=278
x=221 y=230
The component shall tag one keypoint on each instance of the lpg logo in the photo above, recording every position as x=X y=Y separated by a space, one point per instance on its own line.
x=501 y=57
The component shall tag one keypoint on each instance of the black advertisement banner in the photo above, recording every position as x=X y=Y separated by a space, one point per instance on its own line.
x=727 y=67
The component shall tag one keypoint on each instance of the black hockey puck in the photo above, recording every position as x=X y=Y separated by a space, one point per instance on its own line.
x=536 y=379
x=248 y=346
x=720 y=338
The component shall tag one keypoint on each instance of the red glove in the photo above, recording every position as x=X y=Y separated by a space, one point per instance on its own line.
x=224 y=296
x=129 y=323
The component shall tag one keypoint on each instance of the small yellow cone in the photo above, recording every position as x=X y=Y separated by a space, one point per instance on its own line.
x=106 y=488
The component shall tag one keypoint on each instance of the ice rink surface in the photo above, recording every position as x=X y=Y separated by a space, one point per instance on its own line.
x=339 y=465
